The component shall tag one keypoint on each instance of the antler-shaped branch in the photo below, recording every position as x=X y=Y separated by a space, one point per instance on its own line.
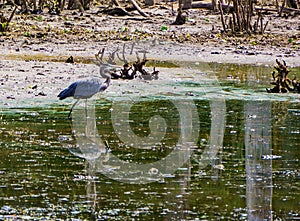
x=123 y=59
x=108 y=68
x=139 y=64
x=111 y=57
x=129 y=70
x=99 y=59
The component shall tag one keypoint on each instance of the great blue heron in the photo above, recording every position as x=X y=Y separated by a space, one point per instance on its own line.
x=86 y=88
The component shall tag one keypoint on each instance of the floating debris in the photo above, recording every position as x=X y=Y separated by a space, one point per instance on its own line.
x=83 y=177
x=219 y=167
x=270 y=157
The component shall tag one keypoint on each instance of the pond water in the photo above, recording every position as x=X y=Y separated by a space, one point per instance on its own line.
x=200 y=144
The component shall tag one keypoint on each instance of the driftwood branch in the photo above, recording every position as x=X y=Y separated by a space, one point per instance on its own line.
x=99 y=57
x=134 y=69
x=281 y=81
x=137 y=7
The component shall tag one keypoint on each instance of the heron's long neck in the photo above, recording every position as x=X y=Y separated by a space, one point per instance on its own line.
x=104 y=72
x=107 y=81
x=105 y=84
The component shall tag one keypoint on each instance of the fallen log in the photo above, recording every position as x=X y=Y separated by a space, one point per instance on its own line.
x=119 y=11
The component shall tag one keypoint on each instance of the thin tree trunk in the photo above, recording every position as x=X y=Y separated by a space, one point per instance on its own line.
x=24 y=6
x=222 y=16
x=187 y=4
x=214 y=4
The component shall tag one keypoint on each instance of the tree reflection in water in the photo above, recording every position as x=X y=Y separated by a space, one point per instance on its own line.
x=258 y=169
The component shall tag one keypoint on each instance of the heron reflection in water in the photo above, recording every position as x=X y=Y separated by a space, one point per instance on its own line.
x=89 y=146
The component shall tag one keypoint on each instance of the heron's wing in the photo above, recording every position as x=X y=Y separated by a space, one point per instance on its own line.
x=68 y=92
x=87 y=88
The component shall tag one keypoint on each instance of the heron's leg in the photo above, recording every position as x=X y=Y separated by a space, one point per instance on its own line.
x=72 y=108
x=86 y=114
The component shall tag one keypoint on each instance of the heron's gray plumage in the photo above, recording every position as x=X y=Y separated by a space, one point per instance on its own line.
x=84 y=89
x=87 y=88
x=68 y=92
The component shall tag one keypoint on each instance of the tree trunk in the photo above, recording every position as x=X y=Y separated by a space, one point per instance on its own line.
x=214 y=4
x=187 y=4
